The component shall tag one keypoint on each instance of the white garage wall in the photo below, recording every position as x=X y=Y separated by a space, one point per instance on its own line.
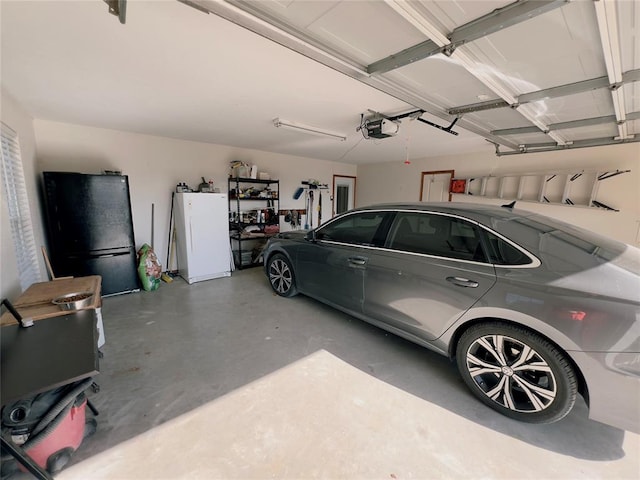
x=19 y=121
x=397 y=182
x=156 y=164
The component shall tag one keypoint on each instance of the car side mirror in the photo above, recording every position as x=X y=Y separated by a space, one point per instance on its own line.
x=310 y=236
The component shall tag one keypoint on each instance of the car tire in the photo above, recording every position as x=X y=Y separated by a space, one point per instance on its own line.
x=517 y=372
x=281 y=276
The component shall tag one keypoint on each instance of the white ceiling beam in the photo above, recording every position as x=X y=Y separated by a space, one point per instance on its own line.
x=482 y=73
x=497 y=20
x=607 y=16
x=592 y=142
x=552 y=92
x=583 y=122
x=618 y=104
x=623 y=132
x=474 y=67
x=415 y=18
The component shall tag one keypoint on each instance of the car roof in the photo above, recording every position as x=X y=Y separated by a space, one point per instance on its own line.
x=515 y=224
x=478 y=212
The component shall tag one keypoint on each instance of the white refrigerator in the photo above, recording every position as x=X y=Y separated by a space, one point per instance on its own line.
x=202 y=236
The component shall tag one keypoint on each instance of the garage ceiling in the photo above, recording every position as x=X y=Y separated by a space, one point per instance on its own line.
x=508 y=77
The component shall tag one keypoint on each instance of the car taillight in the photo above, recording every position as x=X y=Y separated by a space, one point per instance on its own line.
x=578 y=315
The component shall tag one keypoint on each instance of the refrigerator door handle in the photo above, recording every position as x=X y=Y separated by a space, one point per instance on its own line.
x=190 y=235
x=104 y=255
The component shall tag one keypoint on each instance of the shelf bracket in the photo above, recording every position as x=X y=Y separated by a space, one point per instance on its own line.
x=606 y=175
x=598 y=204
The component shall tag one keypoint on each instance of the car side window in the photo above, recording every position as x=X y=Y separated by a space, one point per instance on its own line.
x=438 y=235
x=503 y=253
x=358 y=228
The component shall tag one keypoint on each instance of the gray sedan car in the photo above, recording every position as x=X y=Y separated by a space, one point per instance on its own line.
x=533 y=310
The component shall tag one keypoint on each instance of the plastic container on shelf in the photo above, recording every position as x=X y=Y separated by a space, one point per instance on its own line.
x=240 y=171
x=244 y=259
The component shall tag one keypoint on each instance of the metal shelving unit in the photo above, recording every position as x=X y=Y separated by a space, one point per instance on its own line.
x=253 y=217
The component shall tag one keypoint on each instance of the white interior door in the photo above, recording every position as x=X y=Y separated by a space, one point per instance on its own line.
x=435 y=186
x=344 y=193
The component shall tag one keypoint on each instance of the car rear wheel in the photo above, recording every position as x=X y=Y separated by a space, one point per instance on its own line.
x=281 y=276
x=517 y=372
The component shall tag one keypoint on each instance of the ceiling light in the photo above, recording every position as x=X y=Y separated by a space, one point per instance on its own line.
x=299 y=127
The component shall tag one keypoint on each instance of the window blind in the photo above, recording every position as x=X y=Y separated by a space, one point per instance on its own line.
x=15 y=190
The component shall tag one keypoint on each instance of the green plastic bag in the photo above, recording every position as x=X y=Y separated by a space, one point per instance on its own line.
x=149 y=268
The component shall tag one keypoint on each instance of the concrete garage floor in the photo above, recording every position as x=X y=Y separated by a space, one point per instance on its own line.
x=230 y=381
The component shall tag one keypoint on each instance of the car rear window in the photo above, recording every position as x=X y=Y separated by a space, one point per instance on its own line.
x=564 y=246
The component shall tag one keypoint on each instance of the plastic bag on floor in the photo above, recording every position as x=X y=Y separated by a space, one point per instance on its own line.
x=149 y=268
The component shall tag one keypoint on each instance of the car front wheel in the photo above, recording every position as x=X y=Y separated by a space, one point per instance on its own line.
x=281 y=276
x=517 y=372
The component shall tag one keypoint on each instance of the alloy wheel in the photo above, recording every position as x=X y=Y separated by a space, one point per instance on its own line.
x=511 y=373
x=280 y=276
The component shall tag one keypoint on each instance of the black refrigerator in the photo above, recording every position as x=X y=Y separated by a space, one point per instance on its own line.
x=90 y=228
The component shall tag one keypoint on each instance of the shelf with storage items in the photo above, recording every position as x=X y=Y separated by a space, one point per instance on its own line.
x=253 y=218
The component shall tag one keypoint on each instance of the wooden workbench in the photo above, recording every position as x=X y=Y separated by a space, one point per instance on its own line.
x=36 y=301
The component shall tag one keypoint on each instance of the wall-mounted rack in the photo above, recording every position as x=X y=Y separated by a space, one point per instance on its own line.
x=578 y=188
x=308 y=188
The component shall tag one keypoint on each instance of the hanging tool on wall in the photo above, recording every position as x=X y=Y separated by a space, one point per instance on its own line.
x=308 y=187
x=153 y=209
x=310 y=212
x=170 y=231
x=166 y=275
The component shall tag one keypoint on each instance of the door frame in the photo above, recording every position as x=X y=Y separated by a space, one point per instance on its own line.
x=452 y=174
x=334 y=192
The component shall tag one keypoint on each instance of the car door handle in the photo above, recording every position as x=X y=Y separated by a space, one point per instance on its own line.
x=359 y=261
x=462 y=282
